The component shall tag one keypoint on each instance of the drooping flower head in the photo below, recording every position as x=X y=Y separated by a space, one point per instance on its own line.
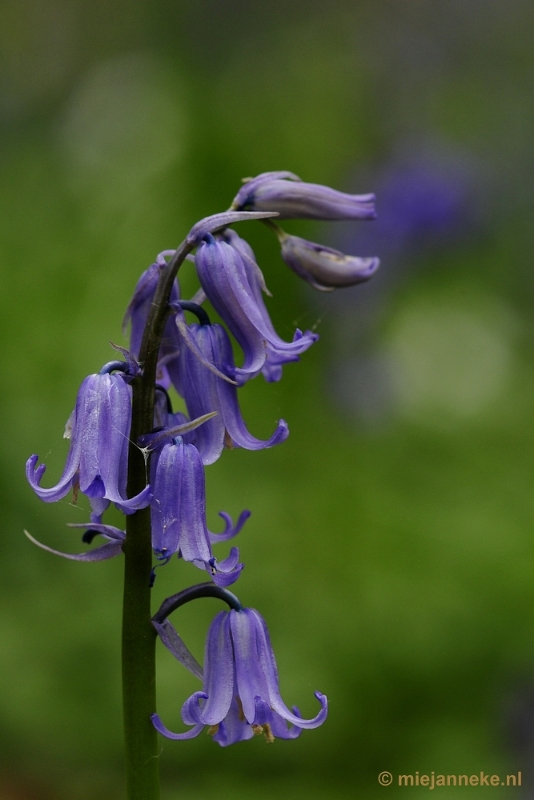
x=178 y=512
x=99 y=430
x=241 y=696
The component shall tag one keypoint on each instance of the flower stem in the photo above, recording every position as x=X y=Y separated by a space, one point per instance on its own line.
x=138 y=635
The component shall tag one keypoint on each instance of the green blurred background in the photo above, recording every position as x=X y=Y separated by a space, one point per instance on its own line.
x=390 y=547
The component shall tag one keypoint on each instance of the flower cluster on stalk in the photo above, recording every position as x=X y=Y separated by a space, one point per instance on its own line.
x=240 y=695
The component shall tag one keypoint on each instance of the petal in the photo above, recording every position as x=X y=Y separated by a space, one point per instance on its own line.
x=234 y=728
x=247 y=254
x=194 y=537
x=227 y=401
x=218 y=673
x=160 y=727
x=237 y=430
x=227 y=571
x=108 y=550
x=247 y=191
x=139 y=307
x=222 y=274
x=250 y=679
x=200 y=391
x=165 y=507
x=279 y=726
x=230 y=530
x=57 y=492
x=269 y=669
x=192 y=345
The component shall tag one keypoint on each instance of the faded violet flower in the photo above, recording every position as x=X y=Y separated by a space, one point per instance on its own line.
x=323 y=267
x=235 y=294
x=203 y=392
x=179 y=512
x=98 y=429
x=286 y=194
x=241 y=695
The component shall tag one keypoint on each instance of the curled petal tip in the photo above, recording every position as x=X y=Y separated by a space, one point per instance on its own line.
x=160 y=727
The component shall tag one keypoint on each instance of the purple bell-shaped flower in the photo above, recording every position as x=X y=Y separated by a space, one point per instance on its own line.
x=99 y=430
x=240 y=697
x=179 y=512
x=205 y=392
x=138 y=310
x=233 y=288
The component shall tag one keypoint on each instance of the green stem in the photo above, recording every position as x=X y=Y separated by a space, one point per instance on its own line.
x=138 y=635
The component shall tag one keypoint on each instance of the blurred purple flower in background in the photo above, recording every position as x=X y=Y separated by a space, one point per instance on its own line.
x=429 y=201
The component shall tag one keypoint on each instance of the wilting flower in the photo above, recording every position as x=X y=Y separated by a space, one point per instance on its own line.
x=204 y=391
x=240 y=697
x=97 y=460
x=179 y=512
x=234 y=290
x=323 y=267
x=286 y=194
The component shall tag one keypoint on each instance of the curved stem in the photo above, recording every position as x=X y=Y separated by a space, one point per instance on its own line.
x=138 y=635
x=193 y=593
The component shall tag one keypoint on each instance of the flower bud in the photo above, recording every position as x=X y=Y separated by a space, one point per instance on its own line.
x=291 y=198
x=323 y=267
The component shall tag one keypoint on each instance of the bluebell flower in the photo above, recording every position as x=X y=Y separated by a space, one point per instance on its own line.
x=291 y=198
x=276 y=356
x=97 y=460
x=178 y=512
x=323 y=267
x=203 y=391
x=138 y=310
x=233 y=288
x=240 y=696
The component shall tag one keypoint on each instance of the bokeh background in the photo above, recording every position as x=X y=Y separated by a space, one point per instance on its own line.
x=391 y=545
